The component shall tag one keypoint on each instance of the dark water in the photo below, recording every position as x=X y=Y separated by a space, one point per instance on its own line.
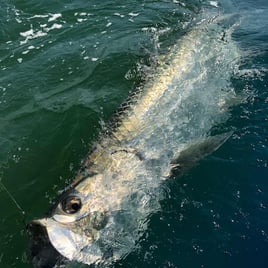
x=66 y=65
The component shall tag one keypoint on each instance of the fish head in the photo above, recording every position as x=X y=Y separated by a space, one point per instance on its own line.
x=69 y=232
x=96 y=220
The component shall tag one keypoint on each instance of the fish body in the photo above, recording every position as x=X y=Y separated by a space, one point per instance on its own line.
x=101 y=216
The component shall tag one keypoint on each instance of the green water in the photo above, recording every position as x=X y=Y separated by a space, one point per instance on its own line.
x=65 y=66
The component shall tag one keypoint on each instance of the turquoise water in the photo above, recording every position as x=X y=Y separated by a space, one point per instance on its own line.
x=66 y=66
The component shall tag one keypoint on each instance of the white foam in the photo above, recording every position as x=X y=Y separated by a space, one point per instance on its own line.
x=252 y=72
x=53 y=27
x=38 y=16
x=81 y=20
x=54 y=17
x=18 y=20
x=119 y=15
x=179 y=2
x=31 y=35
x=214 y=3
x=132 y=14
x=27 y=33
x=82 y=14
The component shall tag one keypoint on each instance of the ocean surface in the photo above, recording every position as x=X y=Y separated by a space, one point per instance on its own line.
x=65 y=66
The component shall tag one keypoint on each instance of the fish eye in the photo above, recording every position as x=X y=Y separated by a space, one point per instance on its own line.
x=71 y=204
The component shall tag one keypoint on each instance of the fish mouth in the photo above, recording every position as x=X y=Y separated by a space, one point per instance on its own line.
x=40 y=251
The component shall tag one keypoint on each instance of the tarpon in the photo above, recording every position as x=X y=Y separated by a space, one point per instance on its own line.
x=167 y=123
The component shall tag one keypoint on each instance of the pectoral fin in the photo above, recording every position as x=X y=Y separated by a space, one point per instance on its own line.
x=189 y=157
